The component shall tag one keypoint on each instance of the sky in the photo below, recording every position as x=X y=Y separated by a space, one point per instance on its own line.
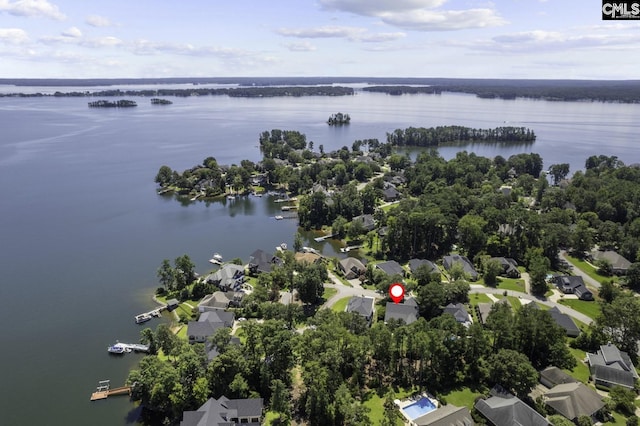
x=546 y=39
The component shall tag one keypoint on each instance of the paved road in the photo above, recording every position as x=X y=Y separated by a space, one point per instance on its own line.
x=587 y=279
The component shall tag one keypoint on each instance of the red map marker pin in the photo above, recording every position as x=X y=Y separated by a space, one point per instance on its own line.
x=396 y=291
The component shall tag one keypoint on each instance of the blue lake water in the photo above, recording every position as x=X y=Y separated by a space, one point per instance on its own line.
x=83 y=230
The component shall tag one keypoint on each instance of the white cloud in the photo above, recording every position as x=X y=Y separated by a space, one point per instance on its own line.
x=349 y=33
x=376 y=7
x=418 y=15
x=98 y=21
x=72 y=32
x=304 y=46
x=13 y=36
x=32 y=8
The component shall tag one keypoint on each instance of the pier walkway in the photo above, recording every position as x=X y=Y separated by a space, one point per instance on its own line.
x=103 y=391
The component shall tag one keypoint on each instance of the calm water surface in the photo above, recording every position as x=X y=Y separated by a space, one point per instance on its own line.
x=83 y=230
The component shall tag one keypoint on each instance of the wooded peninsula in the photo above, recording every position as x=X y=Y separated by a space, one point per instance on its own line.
x=517 y=230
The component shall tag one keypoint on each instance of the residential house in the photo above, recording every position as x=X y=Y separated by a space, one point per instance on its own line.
x=484 y=309
x=407 y=311
x=225 y=412
x=552 y=376
x=390 y=193
x=505 y=409
x=209 y=321
x=564 y=321
x=414 y=264
x=309 y=258
x=449 y=261
x=459 y=312
x=573 y=400
x=610 y=367
x=261 y=261
x=570 y=284
x=363 y=306
x=228 y=277
x=172 y=304
x=221 y=300
x=351 y=268
x=509 y=267
x=368 y=223
x=391 y=268
x=446 y=415
x=619 y=264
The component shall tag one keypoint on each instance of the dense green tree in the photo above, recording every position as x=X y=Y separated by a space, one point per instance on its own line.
x=513 y=371
x=632 y=279
x=148 y=337
x=471 y=234
x=623 y=400
x=492 y=268
x=166 y=275
x=558 y=172
x=184 y=271
x=619 y=323
x=164 y=176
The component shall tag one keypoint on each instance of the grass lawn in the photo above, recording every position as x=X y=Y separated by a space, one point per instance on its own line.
x=240 y=334
x=476 y=298
x=580 y=371
x=589 y=269
x=376 y=405
x=328 y=293
x=341 y=304
x=513 y=284
x=339 y=276
x=464 y=397
x=590 y=309
x=515 y=302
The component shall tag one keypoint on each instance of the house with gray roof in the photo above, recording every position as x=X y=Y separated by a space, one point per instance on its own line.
x=220 y=300
x=564 y=321
x=504 y=409
x=390 y=194
x=407 y=312
x=459 y=312
x=351 y=268
x=367 y=221
x=619 y=264
x=391 y=267
x=449 y=261
x=363 y=306
x=509 y=267
x=610 y=367
x=228 y=277
x=572 y=284
x=209 y=321
x=225 y=412
x=446 y=415
x=262 y=261
x=552 y=376
x=573 y=400
x=414 y=264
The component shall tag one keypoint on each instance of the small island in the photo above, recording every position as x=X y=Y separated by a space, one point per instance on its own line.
x=159 y=101
x=123 y=103
x=338 y=119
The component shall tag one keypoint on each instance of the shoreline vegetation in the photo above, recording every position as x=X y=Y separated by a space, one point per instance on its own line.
x=123 y=103
x=339 y=119
x=624 y=91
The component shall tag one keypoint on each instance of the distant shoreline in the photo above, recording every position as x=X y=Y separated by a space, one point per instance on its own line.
x=621 y=91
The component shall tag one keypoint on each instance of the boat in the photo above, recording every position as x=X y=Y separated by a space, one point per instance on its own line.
x=142 y=318
x=118 y=349
x=217 y=257
x=283 y=246
x=278 y=217
x=231 y=197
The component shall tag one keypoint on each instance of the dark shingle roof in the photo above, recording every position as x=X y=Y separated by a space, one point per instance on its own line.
x=401 y=311
x=458 y=311
x=361 y=305
x=564 y=321
x=414 y=264
x=447 y=415
x=448 y=262
x=612 y=366
x=573 y=400
x=391 y=267
x=504 y=409
x=220 y=412
x=555 y=376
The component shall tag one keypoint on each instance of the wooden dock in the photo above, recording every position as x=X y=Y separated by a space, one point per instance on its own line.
x=324 y=237
x=103 y=391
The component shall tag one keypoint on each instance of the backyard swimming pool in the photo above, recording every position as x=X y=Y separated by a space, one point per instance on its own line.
x=419 y=408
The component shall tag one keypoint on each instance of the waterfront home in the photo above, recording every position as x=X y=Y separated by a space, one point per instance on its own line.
x=225 y=412
x=449 y=261
x=502 y=409
x=228 y=277
x=363 y=306
x=209 y=321
x=351 y=268
x=221 y=300
x=262 y=261
x=407 y=311
x=367 y=221
x=612 y=367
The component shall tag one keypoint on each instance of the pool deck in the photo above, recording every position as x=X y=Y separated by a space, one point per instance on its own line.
x=412 y=400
